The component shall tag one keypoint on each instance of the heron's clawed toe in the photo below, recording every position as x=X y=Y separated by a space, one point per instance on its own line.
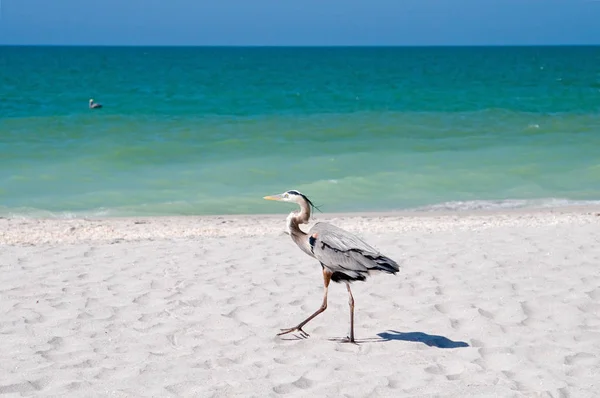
x=344 y=340
x=349 y=340
x=301 y=332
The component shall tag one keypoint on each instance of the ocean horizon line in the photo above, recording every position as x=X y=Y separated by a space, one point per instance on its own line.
x=288 y=46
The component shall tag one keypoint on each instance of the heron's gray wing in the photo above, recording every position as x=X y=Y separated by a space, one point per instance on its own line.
x=345 y=253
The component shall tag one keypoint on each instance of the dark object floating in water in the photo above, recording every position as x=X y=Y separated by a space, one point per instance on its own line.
x=94 y=105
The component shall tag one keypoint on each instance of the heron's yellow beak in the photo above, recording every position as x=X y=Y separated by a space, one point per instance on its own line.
x=273 y=197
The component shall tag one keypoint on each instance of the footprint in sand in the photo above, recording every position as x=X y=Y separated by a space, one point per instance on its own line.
x=141 y=299
x=450 y=372
x=527 y=311
x=594 y=294
x=485 y=313
x=36 y=318
x=443 y=308
x=435 y=370
x=581 y=358
x=286 y=388
x=20 y=388
x=455 y=324
x=394 y=383
x=183 y=389
x=501 y=358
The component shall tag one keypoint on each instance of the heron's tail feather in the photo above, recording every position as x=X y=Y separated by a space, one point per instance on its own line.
x=379 y=262
x=386 y=264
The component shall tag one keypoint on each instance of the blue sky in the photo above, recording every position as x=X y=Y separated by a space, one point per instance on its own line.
x=300 y=22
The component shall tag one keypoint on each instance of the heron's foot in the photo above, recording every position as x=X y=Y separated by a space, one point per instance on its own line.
x=344 y=340
x=301 y=332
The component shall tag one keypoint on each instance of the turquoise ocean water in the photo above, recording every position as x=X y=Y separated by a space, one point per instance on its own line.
x=213 y=130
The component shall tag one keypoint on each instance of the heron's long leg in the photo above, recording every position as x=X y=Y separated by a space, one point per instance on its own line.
x=351 y=303
x=326 y=280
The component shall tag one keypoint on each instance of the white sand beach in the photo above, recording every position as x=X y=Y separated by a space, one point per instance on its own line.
x=489 y=304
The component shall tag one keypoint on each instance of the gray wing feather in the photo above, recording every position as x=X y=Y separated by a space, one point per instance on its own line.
x=341 y=251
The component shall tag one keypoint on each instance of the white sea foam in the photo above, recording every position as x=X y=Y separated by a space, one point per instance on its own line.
x=182 y=208
x=505 y=204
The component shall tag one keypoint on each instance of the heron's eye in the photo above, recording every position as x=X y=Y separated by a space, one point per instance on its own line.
x=285 y=195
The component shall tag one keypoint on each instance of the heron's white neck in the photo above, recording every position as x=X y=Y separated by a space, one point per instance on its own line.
x=295 y=218
x=293 y=221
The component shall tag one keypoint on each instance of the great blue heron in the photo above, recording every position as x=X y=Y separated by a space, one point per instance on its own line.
x=94 y=105
x=344 y=257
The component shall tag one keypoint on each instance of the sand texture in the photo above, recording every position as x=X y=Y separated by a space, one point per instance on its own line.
x=500 y=304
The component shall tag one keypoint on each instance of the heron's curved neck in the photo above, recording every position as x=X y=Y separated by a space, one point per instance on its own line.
x=294 y=220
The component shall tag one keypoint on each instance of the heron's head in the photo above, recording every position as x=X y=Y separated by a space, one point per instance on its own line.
x=91 y=100
x=291 y=196
x=299 y=198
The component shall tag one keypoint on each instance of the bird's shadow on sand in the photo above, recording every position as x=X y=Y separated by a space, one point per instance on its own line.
x=417 y=337
x=420 y=337
x=431 y=340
